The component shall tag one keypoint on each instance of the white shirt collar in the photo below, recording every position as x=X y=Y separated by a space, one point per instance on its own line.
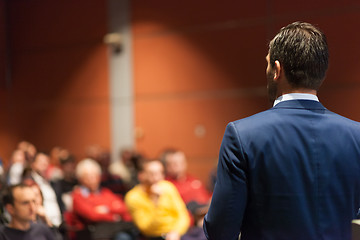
x=296 y=96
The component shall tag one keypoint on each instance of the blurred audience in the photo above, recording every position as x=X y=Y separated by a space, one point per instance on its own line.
x=196 y=231
x=191 y=189
x=51 y=205
x=89 y=195
x=97 y=210
x=39 y=202
x=64 y=186
x=54 y=171
x=17 y=165
x=127 y=166
x=108 y=180
x=156 y=206
x=29 y=150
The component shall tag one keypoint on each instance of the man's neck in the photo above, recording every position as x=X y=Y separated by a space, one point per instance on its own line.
x=295 y=96
x=86 y=190
x=145 y=187
x=179 y=177
x=19 y=225
x=299 y=90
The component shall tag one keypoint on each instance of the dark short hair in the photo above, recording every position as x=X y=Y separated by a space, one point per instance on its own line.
x=165 y=153
x=68 y=159
x=8 y=193
x=302 y=50
x=146 y=162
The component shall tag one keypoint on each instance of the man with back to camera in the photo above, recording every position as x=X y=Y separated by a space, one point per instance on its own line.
x=293 y=171
x=19 y=201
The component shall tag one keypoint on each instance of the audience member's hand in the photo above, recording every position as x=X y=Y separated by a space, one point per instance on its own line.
x=155 y=192
x=156 y=189
x=172 y=236
x=40 y=211
x=102 y=209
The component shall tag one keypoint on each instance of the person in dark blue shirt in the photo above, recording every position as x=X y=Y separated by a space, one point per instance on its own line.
x=19 y=201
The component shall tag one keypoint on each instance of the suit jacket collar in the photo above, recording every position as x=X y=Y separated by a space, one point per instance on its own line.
x=300 y=104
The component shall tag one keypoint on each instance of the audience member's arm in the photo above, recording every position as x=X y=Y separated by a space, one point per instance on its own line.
x=183 y=219
x=143 y=213
x=83 y=208
x=117 y=205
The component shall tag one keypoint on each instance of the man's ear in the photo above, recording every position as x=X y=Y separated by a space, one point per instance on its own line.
x=10 y=208
x=277 y=70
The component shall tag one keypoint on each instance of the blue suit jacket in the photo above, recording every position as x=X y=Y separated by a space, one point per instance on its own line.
x=291 y=172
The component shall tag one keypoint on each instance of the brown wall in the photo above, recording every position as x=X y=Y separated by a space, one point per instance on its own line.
x=203 y=63
x=59 y=76
x=197 y=65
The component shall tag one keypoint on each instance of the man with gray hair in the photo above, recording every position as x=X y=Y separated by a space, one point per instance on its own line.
x=97 y=208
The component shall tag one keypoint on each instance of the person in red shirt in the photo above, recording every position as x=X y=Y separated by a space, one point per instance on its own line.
x=191 y=189
x=98 y=207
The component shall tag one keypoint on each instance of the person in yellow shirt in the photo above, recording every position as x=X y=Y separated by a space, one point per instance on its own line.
x=156 y=206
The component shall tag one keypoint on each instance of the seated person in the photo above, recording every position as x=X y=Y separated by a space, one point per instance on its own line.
x=156 y=206
x=109 y=180
x=19 y=201
x=37 y=173
x=16 y=168
x=196 y=231
x=98 y=207
x=63 y=187
x=127 y=166
x=191 y=189
x=40 y=215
